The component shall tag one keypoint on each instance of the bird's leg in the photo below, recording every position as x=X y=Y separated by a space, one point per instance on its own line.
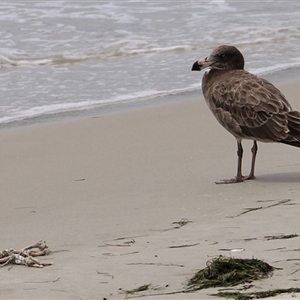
x=239 y=177
x=254 y=151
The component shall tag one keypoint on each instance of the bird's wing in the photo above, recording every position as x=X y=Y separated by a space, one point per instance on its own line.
x=257 y=107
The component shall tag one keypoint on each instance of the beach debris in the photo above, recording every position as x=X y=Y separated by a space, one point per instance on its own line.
x=181 y=223
x=279 y=202
x=122 y=241
x=232 y=249
x=105 y=275
x=26 y=256
x=281 y=249
x=175 y=225
x=296 y=271
x=184 y=246
x=281 y=236
x=149 y=289
x=247 y=210
x=80 y=179
x=228 y=271
x=142 y=288
x=129 y=253
x=256 y=295
x=156 y=264
x=122 y=244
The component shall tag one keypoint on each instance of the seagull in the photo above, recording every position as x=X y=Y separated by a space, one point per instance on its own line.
x=248 y=106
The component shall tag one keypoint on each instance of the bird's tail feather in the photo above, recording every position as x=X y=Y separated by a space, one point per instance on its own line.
x=294 y=127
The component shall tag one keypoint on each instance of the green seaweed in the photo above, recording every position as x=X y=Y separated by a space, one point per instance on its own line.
x=229 y=271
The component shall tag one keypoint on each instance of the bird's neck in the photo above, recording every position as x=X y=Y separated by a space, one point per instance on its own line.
x=213 y=73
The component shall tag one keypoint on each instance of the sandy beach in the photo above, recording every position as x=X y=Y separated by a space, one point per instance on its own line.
x=107 y=193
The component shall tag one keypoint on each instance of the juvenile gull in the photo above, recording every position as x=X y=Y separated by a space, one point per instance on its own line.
x=248 y=106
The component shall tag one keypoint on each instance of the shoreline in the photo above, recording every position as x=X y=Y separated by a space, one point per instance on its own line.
x=107 y=191
x=100 y=110
x=278 y=78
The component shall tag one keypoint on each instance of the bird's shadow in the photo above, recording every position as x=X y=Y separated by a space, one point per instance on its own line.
x=280 y=177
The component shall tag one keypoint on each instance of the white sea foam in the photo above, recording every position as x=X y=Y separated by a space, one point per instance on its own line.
x=113 y=50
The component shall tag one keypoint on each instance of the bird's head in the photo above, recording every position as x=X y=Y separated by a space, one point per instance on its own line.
x=221 y=58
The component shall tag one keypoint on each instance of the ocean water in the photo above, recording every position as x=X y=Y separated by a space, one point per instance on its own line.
x=64 y=56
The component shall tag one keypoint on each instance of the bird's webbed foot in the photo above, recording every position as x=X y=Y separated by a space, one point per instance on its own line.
x=236 y=179
x=232 y=180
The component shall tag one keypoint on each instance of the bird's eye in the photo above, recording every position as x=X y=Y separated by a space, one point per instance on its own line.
x=222 y=55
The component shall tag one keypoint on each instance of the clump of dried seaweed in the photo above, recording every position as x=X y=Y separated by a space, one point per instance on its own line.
x=228 y=271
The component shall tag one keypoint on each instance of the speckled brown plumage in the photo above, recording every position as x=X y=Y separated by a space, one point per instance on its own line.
x=248 y=106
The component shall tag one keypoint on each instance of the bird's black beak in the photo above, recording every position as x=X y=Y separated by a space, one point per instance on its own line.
x=196 y=66
x=201 y=64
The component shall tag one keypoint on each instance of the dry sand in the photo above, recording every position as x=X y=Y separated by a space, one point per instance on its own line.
x=104 y=193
